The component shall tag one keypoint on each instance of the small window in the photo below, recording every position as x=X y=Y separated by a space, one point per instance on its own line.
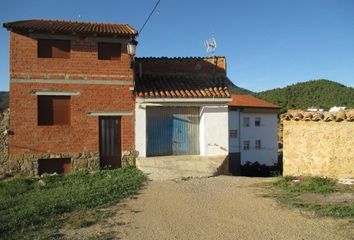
x=50 y=48
x=54 y=165
x=233 y=133
x=258 y=144
x=257 y=121
x=109 y=51
x=246 y=145
x=53 y=110
x=246 y=121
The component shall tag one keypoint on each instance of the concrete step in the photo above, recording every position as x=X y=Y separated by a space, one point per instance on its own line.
x=176 y=167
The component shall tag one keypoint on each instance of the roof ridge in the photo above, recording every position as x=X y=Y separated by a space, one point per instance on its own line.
x=177 y=58
x=66 y=21
x=69 y=26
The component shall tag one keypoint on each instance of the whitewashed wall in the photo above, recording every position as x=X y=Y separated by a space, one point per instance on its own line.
x=267 y=133
x=214 y=134
x=140 y=129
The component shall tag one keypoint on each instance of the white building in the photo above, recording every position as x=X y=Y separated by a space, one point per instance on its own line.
x=181 y=116
x=336 y=109
x=252 y=132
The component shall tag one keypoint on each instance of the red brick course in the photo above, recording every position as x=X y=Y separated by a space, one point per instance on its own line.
x=82 y=64
x=82 y=134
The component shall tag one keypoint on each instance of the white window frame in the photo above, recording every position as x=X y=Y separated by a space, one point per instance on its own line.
x=246 y=145
x=256 y=120
x=258 y=144
x=233 y=133
x=246 y=123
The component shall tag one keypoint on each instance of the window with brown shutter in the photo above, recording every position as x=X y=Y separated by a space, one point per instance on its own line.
x=53 y=110
x=109 y=51
x=50 y=48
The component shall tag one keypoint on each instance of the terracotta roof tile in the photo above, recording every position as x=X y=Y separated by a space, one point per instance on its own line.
x=298 y=115
x=239 y=100
x=182 y=86
x=68 y=27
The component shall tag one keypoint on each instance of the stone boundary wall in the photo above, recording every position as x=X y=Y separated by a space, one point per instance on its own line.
x=318 y=144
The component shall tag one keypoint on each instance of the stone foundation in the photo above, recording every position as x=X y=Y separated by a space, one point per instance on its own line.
x=27 y=164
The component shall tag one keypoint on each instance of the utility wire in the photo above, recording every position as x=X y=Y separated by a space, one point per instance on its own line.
x=146 y=21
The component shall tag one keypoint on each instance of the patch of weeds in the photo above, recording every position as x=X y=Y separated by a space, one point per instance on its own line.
x=332 y=210
x=290 y=191
x=309 y=185
x=28 y=208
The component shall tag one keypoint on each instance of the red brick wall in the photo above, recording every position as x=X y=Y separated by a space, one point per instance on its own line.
x=82 y=134
x=182 y=65
x=83 y=62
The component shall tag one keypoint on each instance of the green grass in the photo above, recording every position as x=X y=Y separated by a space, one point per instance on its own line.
x=27 y=206
x=310 y=185
x=291 y=191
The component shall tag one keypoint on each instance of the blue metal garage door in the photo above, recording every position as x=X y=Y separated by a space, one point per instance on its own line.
x=172 y=131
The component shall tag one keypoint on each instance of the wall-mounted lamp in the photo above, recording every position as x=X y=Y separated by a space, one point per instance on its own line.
x=131 y=47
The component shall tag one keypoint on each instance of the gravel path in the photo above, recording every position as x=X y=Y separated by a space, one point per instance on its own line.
x=219 y=208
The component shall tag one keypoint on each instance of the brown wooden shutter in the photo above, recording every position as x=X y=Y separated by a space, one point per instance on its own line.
x=53 y=110
x=45 y=110
x=50 y=48
x=109 y=51
x=61 y=110
x=44 y=48
x=61 y=48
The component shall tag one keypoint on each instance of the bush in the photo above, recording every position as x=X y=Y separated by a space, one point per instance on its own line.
x=256 y=169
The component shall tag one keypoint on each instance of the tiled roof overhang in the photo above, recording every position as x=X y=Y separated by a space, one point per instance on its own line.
x=71 y=27
x=182 y=86
x=239 y=100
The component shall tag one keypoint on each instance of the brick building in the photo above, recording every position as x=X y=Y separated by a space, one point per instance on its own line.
x=71 y=95
x=78 y=99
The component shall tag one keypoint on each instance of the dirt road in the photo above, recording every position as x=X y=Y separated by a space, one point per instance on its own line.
x=217 y=208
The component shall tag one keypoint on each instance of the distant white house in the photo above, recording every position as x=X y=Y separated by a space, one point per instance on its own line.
x=337 y=109
x=315 y=109
x=252 y=132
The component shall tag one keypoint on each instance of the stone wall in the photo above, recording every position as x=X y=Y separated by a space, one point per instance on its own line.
x=27 y=164
x=316 y=146
x=4 y=124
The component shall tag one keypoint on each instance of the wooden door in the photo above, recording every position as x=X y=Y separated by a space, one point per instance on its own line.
x=110 y=142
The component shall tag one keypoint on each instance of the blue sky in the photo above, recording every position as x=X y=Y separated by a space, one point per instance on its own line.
x=268 y=44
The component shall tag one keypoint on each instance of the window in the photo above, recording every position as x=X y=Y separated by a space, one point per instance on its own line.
x=246 y=145
x=53 y=110
x=109 y=51
x=258 y=144
x=233 y=133
x=257 y=121
x=54 y=165
x=50 y=48
x=246 y=121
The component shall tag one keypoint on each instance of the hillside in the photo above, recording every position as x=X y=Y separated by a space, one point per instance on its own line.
x=4 y=100
x=318 y=93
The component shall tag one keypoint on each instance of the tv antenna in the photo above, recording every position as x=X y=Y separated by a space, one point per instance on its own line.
x=210 y=45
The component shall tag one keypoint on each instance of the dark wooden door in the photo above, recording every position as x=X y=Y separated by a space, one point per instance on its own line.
x=110 y=142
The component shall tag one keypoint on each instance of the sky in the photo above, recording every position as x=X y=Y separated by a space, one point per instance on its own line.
x=267 y=43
